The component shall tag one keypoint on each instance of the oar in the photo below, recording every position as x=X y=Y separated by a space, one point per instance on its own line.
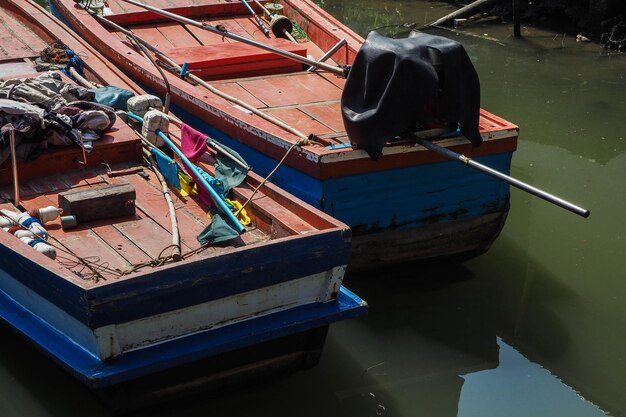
x=503 y=177
x=221 y=31
x=191 y=169
x=259 y=22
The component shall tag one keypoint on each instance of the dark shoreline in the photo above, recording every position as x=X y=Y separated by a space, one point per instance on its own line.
x=591 y=18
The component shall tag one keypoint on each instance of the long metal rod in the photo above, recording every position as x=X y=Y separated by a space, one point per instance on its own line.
x=192 y=171
x=330 y=52
x=213 y=29
x=204 y=84
x=211 y=144
x=259 y=22
x=16 y=181
x=503 y=177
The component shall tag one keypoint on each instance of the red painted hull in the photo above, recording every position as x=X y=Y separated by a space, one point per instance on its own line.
x=310 y=102
x=324 y=31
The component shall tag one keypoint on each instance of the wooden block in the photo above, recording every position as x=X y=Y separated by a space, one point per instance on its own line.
x=99 y=202
x=238 y=55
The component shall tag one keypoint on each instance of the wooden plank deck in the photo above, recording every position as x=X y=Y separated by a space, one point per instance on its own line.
x=17 y=41
x=113 y=245
x=272 y=93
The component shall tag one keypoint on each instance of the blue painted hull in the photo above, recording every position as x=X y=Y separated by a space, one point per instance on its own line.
x=99 y=374
x=73 y=324
x=408 y=207
x=398 y=209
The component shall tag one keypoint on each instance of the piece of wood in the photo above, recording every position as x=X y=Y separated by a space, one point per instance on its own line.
x=234 y=57
x=99 y=202
x=466 y=11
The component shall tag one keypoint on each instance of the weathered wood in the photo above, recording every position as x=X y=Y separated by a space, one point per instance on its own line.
x=99 y=202
x=230 y=58
x=466 y=11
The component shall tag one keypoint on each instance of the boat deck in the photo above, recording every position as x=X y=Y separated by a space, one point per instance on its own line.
x=121 y=247
x=308 y=101
x=116 y=247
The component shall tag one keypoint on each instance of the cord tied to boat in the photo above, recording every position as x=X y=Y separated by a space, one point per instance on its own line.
x=74 y=62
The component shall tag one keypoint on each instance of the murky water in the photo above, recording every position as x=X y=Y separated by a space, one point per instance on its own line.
x=536 y=327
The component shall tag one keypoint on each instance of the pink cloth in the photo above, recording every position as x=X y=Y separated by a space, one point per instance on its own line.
x=205 y=197
x=193 y=143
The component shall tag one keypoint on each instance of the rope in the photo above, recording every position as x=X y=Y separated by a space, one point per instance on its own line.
x=300 y=142
x=62 y=248
x=299 y=33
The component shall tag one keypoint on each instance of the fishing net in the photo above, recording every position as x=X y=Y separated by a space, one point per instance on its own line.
x=53 y=57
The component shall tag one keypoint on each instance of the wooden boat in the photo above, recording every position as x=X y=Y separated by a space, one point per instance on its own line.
x=408 y=205
x=113 y=308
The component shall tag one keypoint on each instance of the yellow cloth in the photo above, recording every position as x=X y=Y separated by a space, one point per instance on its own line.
x=187 y=185
x=241 y=214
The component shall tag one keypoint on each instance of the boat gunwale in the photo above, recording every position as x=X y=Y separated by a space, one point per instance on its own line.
x=249 y=129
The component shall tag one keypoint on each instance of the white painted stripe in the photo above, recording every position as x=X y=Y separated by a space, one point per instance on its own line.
x=71 y=328
x=116 y=339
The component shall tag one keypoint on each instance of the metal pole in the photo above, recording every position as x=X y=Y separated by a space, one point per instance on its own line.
x=213 y=29
x=192 y=171
x=503 y=177
x=516 y=23
x=204 y=84
x=330 y=52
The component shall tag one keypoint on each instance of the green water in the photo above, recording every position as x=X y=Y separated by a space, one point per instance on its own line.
x=536 y=327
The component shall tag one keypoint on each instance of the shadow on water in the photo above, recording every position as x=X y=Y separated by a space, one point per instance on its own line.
x=430 y=329
x=32 y=385
x=427 y=326
x=404 y=358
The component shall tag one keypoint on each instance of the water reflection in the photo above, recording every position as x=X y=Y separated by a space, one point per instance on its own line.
x=32 y=385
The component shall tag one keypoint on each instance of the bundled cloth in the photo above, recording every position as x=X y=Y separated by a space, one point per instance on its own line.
x=46 y=111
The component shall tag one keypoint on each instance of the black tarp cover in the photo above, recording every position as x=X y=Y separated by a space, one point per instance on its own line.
x=393 y=87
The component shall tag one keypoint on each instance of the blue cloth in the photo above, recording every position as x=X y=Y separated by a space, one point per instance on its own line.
x=168 y=167
x=113 y=96
x=74 y=62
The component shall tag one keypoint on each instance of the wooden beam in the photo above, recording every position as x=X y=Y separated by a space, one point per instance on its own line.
x=466 y=11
